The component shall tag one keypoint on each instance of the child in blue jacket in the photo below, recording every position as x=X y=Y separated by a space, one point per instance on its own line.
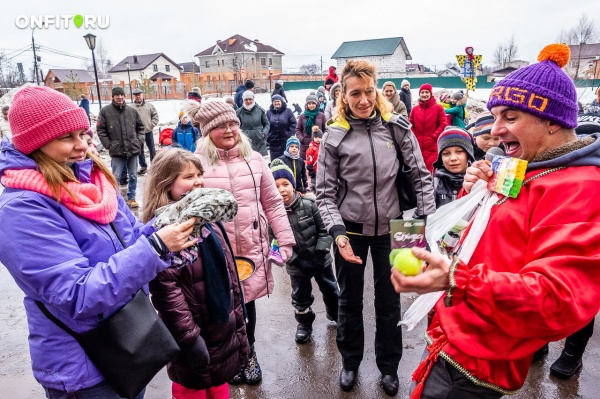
x=185 y=135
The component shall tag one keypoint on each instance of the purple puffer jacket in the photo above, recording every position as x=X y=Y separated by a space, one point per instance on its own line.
x=71 y=265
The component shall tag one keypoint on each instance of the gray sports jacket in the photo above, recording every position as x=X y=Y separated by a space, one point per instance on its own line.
x=357 y=166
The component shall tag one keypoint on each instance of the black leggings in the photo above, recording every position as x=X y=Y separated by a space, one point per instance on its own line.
x=251 y=324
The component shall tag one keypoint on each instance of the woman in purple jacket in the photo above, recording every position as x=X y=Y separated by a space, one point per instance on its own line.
x=58 y=212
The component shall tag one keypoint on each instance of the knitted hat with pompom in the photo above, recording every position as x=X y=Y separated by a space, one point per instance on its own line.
x=281 y=171
x=541 y=89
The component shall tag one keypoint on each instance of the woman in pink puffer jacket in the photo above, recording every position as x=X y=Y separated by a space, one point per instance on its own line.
x=230 y=164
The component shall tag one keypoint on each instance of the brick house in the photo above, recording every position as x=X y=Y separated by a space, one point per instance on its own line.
x=190 y=75
x=72 y=82
x=231 y=61
x=388 y=55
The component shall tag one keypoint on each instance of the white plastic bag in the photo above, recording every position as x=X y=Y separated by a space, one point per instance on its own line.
x=438 y=224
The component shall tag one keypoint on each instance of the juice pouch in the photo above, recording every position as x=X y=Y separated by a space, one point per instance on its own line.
x=405 y=234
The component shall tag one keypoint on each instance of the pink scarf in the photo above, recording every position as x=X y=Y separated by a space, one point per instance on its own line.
x=96 y=201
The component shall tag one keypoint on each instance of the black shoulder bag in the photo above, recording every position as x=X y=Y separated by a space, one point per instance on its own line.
x=130 y=347
x=404 y=182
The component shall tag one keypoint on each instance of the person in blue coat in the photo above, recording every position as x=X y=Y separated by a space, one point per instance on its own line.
x=85 y=104
x=282 y=123
x=185 y=135
x=58 y=210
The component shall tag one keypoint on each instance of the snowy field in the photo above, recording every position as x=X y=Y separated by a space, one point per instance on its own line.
x=168 y=110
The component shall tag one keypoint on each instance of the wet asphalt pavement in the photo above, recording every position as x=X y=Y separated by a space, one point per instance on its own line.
x=290 y=370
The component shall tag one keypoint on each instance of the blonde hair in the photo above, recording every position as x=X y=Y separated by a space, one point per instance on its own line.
x=163 y=172
x=208 y=150
x=365 y=71
x=57 y=174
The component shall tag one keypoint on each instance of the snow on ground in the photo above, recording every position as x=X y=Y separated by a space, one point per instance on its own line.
x=169 y=109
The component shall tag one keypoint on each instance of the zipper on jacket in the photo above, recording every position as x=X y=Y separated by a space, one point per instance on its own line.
x=235 y=220
x=345 y=194
x=374 y=178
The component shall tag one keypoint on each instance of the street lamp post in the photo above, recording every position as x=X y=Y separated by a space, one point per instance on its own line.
x=35 y=65
x=91 y=43
x=129 y=77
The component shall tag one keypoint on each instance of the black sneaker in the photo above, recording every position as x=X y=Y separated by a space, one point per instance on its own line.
x=566 y=366
x=142 y=171
x=540 y=353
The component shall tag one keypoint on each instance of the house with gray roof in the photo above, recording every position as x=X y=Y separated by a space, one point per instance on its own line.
x=388 y=55
x=145 y=66
x=72 y=82
x=585 y=60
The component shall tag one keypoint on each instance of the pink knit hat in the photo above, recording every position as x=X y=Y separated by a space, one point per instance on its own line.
x=39 y=115
x=210 y=114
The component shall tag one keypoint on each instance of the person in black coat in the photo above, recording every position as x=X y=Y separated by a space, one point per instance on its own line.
x=291 y=157
x=310 y=257
x=282 y=124
x=279 y=90
x=406 y=96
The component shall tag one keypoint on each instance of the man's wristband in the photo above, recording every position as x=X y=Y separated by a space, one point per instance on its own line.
x=341 y=236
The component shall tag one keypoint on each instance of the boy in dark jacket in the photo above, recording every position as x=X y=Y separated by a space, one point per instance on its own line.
x=455 y=153
x=291 y=157
x=310 y=257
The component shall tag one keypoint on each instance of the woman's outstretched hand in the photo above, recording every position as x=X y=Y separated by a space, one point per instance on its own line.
x=346 y=251
x=434 y=277
x=176 y=236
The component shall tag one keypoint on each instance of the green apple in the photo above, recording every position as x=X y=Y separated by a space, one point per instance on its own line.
x=407 y=263
x=393 y=254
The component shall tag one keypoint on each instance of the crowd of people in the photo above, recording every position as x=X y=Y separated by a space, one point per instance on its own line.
x=324 y=187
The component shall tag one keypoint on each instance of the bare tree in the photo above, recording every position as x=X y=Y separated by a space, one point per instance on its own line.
x=103 y=61
x=71 y=85
x=9 y=73
x=309 y=69
x=506 y=53
x=582 y=34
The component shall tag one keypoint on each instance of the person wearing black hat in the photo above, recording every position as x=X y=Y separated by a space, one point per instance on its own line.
x=248 y=85
x=121 y=131
x=150 y=120
x=195 y=94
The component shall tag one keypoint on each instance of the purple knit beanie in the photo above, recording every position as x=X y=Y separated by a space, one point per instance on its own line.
x=541 y=89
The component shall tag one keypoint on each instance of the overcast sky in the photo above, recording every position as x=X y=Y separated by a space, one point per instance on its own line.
x=433 y=30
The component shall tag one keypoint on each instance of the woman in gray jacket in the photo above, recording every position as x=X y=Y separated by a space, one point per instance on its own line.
x=357 y=197
x=254 y=123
